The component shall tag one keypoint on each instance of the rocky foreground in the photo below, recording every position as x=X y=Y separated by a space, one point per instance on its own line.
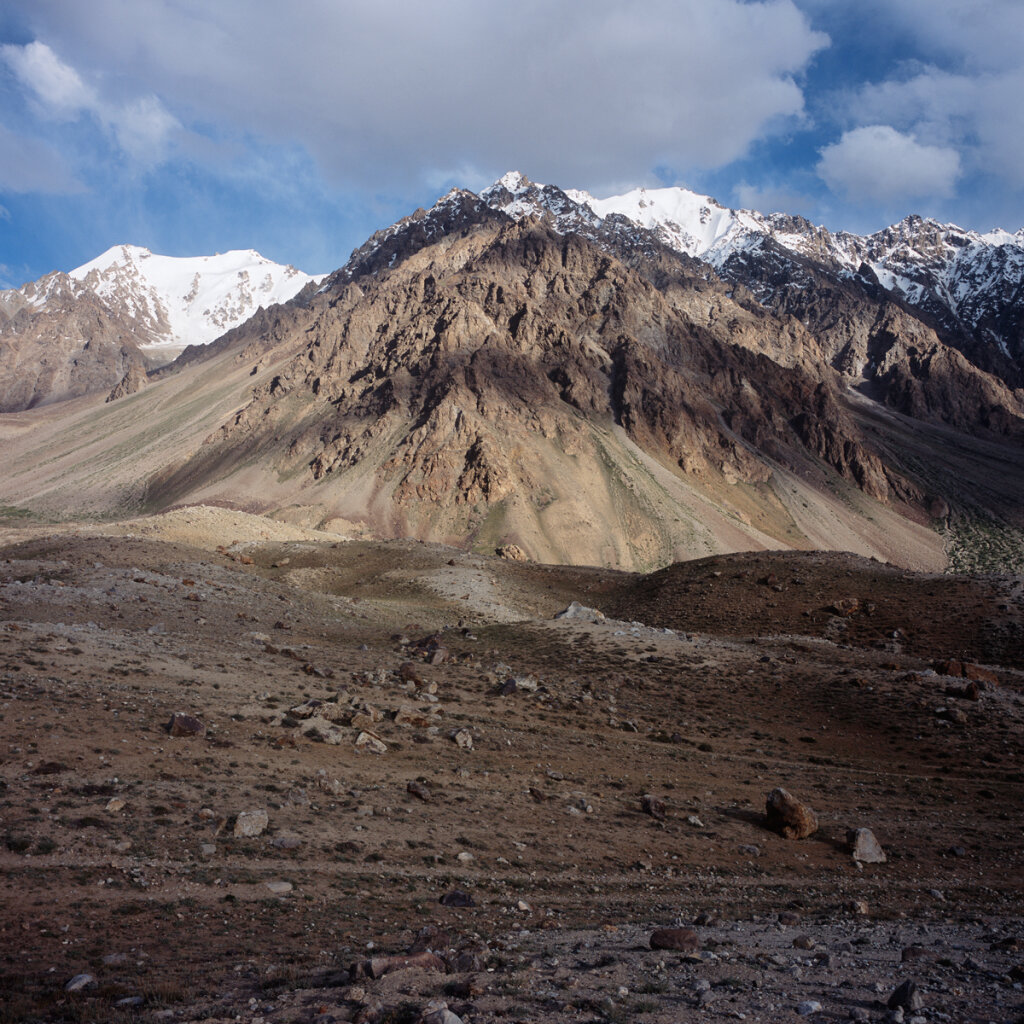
x=315 y=780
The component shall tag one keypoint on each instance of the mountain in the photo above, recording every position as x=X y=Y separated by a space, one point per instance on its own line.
x=514 y=369
x=966 y=281
x=71 y=333
x=907 y=315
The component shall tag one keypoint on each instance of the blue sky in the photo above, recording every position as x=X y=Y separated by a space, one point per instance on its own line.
x=192 y=127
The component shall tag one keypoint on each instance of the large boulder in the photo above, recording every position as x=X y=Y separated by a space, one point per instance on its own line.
x=790 y=817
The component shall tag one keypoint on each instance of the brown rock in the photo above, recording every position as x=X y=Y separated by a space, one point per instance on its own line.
x=457 y=898
x=413 y=717
x=419 y=790
x=185 y=725
x=134 y=380
x=438 y=656
x=651 y=805
x=513 y=552
x=683 y=939
x=967 y=670
x=370 y=741
x=409 y=673
x=788 y=816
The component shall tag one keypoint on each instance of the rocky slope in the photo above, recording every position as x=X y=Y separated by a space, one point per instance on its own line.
x=69 y=334
x=470 y=376
x=581 y=782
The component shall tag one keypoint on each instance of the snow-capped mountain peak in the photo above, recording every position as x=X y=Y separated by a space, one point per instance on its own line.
x=178 y=301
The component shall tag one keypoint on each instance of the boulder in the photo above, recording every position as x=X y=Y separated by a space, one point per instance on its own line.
x=580 y=613
x=251 y=823
x=369 y=741
x=864 y=847
x=788 y=816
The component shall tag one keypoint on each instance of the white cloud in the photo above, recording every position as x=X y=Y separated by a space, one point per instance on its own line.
x=55 y=85
x=962 y=90
x=142 y=125
x=876 y=163
x=981 y=114
x=384 y=93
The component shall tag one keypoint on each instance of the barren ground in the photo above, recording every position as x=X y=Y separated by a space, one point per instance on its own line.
x=120 y=858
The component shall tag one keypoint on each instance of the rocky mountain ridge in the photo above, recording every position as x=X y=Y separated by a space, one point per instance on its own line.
x=967 y=285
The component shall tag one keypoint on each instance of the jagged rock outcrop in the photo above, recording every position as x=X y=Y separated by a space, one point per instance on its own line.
x=134 y=380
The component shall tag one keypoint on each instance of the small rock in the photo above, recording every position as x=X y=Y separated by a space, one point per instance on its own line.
x=803 y=942
x=512 y=552
x=906 y=997
x=251 y=823
x=463 y=738
x=279 y=888
x=864 y=847
x=408 y=672
x=859 y=907
x=185 y=725
x=911 y=953
x=437 y=1012
x=684 y=939
x=788 y=918
x=844 y=606
x=651 y=805
x=807 y=1007
x=411 y=716
x=381 y=965
x=207 y=850
x=371 y=742
x=580 y=613
x=130 y=1001
x=115 y=804
x=79 y=982
x=419 y=790
x=286 y=842
x=788 y=816
x=457 y=898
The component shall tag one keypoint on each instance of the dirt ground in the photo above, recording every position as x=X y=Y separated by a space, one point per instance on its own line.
x=517 y=752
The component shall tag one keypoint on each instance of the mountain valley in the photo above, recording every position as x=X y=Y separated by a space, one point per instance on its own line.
x=429 y=642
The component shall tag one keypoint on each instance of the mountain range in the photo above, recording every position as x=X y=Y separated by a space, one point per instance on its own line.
x=622 y=382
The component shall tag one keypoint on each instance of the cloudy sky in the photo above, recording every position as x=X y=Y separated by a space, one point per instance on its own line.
x=192 y=126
